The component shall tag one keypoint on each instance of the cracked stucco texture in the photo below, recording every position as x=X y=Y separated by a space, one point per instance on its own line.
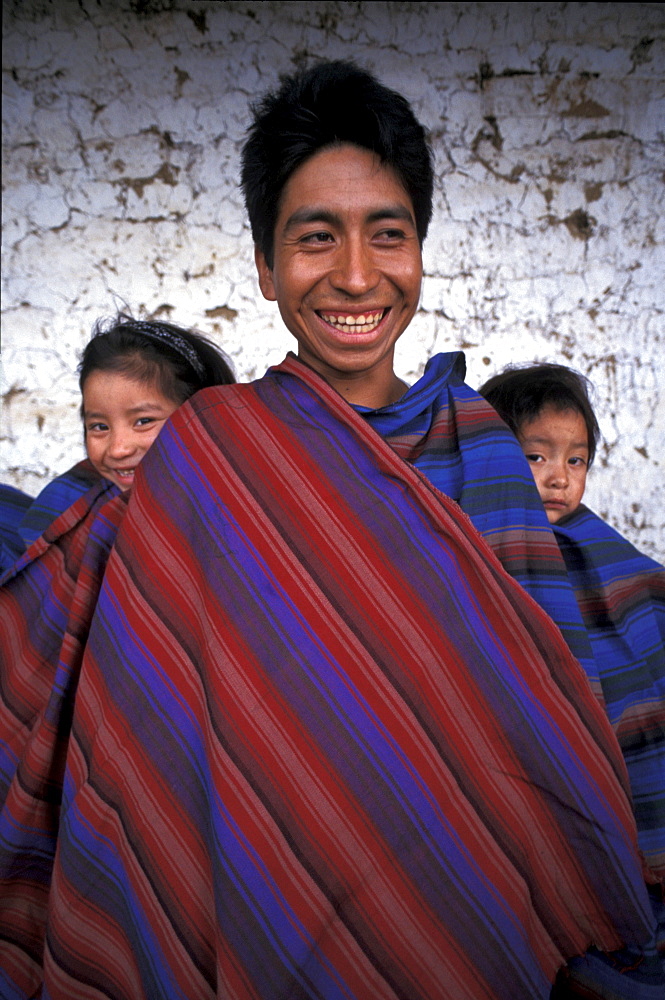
x=123 y=125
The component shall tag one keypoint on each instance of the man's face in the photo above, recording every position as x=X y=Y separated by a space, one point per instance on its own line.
x=347 y=269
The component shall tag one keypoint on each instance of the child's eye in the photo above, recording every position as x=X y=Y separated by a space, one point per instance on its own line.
x=577 y=461
x=533 y=457
x=97 y=428
x=144 y=421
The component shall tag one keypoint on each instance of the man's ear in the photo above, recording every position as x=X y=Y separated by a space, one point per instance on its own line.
x=266 y=284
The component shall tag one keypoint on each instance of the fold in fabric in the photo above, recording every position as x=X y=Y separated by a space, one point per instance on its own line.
x=457 y=440
x=621 y=593
x=322 y=744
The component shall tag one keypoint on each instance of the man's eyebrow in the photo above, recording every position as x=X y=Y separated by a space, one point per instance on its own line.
x=399 y=212
x=307 y=216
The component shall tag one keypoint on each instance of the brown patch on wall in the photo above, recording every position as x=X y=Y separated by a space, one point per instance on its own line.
x=163 y=309
x=642 y=51
x=491 y=135
x=221 y=312
x=580 y=224
x=167 y=174
x=199 y=20
x=586 y=109
x=485 y=73
x=205 y=272
x=181 y=77
x=148 y=8
x=12 y=392
x=612 y=133
x=592 y=192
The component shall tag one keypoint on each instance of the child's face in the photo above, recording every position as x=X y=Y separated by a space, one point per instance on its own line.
x=122 y=418
x=556 y=445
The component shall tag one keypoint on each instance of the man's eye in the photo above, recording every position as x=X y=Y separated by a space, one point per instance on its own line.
x=391 y=234
x=315 y=238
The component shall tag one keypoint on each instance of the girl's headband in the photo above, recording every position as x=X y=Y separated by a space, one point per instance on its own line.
x=175 y=341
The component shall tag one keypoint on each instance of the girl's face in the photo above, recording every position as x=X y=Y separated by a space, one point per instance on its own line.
x=122 y=417
x=556 y=445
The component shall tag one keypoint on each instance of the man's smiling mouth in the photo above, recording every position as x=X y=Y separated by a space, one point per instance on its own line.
x=348 y=323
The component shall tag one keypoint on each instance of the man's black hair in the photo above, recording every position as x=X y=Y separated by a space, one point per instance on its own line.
x=330 y=104
x=519 y=394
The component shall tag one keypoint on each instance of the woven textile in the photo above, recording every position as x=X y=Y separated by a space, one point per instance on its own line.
x=621 y=594
x=55 y=498
x=13 y=505
x=24 y=518
x=323 y=745
x=457 y=440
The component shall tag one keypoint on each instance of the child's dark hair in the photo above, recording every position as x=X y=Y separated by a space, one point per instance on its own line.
x=518 y=394
x=179 y=361
x=330 y=104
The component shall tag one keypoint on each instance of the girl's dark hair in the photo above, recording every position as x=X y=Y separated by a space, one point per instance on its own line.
x=330 y=104
x=179 y=361
x=518 y=394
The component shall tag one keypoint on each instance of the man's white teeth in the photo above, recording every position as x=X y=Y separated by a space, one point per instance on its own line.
x=355 y=324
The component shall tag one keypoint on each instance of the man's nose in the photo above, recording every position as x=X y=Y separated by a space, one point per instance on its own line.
x=355 y=272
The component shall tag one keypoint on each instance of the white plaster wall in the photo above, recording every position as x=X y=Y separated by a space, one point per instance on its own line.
x=123 y=127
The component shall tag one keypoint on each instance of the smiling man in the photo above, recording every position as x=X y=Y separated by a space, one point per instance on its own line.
x=346 y=270
x=323 y=746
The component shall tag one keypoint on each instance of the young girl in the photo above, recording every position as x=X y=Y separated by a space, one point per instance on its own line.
x=620 y=592
x=548 y=410
x=133 y=374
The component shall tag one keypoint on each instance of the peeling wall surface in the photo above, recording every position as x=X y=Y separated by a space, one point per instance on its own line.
x=123 y=124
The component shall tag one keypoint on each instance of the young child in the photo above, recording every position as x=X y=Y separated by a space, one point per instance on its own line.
x=620 y=591
x=548 y=410
x=133 y=374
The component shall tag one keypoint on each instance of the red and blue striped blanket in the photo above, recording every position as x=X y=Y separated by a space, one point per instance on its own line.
x=621 y=594
x=322 y=744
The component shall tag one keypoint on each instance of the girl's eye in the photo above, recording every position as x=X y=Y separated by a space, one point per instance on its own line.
x=96 y=427
x=577 y=461
x=144 y=421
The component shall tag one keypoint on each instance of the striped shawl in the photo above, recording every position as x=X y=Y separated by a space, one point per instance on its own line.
x=323 y=745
